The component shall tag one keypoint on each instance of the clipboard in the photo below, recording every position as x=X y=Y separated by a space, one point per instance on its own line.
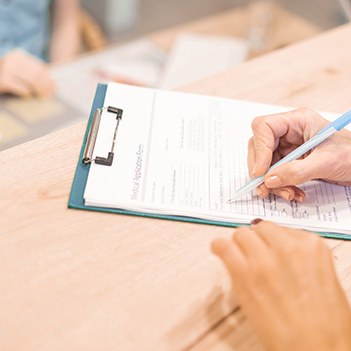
x=76 y=199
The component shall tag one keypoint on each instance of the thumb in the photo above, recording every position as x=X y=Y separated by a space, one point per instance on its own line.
x=294 y=173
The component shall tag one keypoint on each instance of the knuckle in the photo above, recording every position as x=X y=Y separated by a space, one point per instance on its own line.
x=262 y=268
x=305 y=111
x=224 y=250
x=293 y=174
x=261 y=225
x=314 y=241
x=265 y=230
x=265 y=266
x=240 y=235
x=297 y=176
x=256 y=122
x=220 y=246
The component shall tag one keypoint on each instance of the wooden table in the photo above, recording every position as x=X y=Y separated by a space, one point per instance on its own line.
x=79 y=280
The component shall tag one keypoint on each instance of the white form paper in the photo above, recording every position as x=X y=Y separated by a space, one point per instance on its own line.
x=183 y=154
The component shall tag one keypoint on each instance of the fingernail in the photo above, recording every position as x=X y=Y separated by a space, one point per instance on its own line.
x=287 y=195
x=299 y=197
x=256 y=221
x=258 y=192
x=273 y=182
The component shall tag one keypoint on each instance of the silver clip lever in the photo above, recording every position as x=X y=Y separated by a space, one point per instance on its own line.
x=93 y=132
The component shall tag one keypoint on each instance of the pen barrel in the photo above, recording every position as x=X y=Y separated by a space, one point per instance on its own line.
x=304 y=148
x=301 y=150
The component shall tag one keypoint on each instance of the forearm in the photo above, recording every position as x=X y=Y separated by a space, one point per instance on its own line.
x=65 y=39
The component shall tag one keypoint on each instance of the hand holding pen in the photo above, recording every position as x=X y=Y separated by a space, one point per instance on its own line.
x=277 y=136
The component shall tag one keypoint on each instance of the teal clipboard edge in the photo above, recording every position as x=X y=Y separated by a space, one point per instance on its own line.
x=76 y=199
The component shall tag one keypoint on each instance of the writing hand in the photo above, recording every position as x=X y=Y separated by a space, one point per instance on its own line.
x=275 y=136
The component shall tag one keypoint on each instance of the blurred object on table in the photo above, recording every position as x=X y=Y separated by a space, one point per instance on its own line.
x=114 y=16
x=22 y=120
x=138 y=62
x=261 y=16
x=346 y=5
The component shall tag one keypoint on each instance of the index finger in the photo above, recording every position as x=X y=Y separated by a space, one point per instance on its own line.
x=295 y=126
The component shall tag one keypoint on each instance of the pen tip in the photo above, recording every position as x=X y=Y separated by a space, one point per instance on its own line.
x=239 y=194
x=234 y=198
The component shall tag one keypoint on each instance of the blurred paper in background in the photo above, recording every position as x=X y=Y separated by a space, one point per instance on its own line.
x=194 y=57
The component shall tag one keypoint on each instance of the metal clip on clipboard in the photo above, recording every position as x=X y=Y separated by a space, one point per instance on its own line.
x=93 y=132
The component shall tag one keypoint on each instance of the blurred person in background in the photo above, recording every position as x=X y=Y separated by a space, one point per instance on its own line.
x=33 y=33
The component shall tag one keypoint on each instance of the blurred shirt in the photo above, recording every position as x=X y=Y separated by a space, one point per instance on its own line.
x=25 y=24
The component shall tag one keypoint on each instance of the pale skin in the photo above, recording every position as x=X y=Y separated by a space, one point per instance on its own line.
x=276 y=136
x=285 y=279
x=286 y=284
x=24 y=75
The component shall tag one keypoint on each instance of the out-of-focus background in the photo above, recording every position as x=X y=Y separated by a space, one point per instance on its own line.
x=130 y=18
x=163 y=44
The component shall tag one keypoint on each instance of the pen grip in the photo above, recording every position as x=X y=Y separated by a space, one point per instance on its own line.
x=304 y=148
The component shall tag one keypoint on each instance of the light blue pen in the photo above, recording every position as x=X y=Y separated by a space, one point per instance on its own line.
x=325 y=133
